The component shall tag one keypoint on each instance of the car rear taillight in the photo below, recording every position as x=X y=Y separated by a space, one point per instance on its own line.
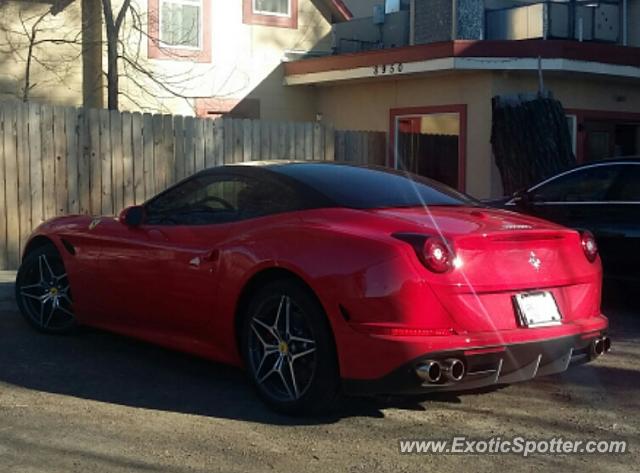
x=434 y=252
x=436 y=255
x=589 y=245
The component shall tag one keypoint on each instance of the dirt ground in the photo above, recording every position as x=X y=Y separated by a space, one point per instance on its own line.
x=96 y=402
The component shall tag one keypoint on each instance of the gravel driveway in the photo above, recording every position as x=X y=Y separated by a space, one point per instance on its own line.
x=96 y=402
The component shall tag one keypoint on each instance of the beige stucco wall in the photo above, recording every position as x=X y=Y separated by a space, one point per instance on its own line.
x=577 y=91
x=246 y=62
x=366 y=106
x=56 y=69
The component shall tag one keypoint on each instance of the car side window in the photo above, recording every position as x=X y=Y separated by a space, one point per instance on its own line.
x=627 y=187
x=585 y=185
x=215 y=198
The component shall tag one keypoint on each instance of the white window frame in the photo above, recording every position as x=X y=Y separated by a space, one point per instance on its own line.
x=200 y=5
x=268 y=13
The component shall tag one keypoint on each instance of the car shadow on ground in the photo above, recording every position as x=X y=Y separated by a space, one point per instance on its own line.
x=100 y=366
x=97 y=365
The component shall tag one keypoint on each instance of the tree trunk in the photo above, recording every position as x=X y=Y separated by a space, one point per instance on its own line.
x=112 y=69
x=92 y=42
x=112 y=26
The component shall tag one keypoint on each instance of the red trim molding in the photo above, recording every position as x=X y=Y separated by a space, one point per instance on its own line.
x=460 y=109
x=158 y=51
x=251 y=18
x=583 y=115
x=342 y=9
x=546 y=49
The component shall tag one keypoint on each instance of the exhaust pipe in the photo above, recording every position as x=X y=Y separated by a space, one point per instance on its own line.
x=597 y=347
x=607 y=344
x=430 y=371
x=453 y=369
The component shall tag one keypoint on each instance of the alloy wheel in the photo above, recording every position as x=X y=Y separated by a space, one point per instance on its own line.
x=282 y=349
x=45 y=294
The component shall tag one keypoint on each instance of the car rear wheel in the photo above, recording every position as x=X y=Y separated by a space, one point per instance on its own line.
x=43 y=293
x=289 y=350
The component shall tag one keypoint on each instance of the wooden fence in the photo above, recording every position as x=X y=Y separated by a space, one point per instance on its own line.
x=63 y=160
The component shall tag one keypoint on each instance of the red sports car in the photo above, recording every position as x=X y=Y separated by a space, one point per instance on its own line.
x=322 y=278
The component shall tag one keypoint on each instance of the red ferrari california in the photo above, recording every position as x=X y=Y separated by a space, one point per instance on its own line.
x=321 y=278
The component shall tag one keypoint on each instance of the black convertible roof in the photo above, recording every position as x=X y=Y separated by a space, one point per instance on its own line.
x=353 y=185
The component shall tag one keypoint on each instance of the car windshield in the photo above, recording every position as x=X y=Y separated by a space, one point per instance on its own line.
x=374 y=187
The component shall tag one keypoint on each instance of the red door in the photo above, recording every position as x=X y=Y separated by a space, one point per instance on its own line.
x=161 y=279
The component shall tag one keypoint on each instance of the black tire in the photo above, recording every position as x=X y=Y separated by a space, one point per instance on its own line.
x=43 y=293
x=313 y=367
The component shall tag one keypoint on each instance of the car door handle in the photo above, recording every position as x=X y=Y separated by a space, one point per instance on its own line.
x=206 y=257
x=210 y=256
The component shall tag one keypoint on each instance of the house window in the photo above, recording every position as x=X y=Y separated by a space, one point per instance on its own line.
x=431 y=142
x=181 y=23
x=272 y=7
x=279 y=13
x=180 y=30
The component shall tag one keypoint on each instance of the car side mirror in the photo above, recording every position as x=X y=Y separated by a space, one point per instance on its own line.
x=132 y=216
x=522 y=198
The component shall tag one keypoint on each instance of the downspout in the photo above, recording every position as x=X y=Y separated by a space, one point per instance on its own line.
x=625 y=23
x=412 y=22
x=454 y=20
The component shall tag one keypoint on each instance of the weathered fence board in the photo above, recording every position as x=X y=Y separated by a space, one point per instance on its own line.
x=84 y=162
x=95 y=162
x=168 y=151
x=3 y=205
x=24 y=177
x=34 y=122
x=209 y=142
x=70 y=151
x=10 y=133
x=60 y=160
x=106 y=164
x=199 y=145
x=147 y=164
x=127 y=161
x=188 y=164
x=117 y=160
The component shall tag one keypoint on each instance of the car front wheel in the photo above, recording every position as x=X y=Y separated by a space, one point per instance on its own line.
x=43 y=293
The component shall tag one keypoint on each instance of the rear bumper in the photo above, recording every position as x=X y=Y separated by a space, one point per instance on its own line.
x=485 y=366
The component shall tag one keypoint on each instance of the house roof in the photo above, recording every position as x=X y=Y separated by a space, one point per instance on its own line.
x=468 y=54
x=339 y=9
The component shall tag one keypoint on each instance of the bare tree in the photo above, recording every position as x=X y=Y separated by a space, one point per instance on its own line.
x=125 y=32
x=30 y=33
x=123 y=46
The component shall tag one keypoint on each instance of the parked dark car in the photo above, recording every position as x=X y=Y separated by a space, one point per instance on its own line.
x=602 y=197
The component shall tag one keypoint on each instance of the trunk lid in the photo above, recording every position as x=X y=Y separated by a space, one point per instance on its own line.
x=501 y=254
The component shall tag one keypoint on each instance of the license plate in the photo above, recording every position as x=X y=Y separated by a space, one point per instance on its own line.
x=537 y=309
